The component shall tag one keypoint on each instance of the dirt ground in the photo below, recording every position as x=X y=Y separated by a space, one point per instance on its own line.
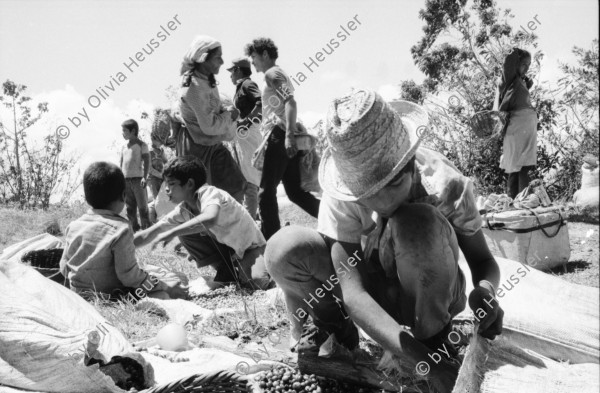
x=583 y=263
x=257 y=317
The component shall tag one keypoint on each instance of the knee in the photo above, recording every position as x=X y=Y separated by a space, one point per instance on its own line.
x=286 y=247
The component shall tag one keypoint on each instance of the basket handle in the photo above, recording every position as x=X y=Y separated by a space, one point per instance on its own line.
x=495 y=226
x=560 y=224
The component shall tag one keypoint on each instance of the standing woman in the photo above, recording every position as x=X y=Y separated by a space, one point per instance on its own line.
x=520 y=142
x=207 y=122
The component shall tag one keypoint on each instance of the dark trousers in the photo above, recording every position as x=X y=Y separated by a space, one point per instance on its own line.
x=249 y=270
x=518 y=181
x=423 y=286
x=136 y=199
x=278 y=167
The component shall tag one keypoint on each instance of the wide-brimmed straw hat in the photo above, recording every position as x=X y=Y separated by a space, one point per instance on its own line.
x=369 y=142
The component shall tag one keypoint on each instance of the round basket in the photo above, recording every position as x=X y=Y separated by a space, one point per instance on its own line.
x=46 y=262
x=217 y=382
x=487 y=124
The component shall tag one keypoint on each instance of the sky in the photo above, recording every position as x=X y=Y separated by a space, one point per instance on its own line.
x=64 y=50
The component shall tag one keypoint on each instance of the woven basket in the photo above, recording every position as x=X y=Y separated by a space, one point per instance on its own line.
x=217 y=382
x=161 y=126
x=46 y=262
x=486 y=124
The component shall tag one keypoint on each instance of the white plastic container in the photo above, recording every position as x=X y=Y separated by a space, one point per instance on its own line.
x=537 y=237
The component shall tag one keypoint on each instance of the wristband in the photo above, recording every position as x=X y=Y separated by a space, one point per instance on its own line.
x=489 y=286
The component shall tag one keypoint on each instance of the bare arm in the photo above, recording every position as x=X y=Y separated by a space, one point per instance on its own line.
x=482 y=264
x=361 y=307
x=485 y=271
x=206 y=219
x=290 y=116
x=146 y=161
x=376 y=322
x=145 y=237
x=198 y=224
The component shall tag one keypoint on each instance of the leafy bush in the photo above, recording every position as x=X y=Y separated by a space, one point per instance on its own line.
x=461 y=77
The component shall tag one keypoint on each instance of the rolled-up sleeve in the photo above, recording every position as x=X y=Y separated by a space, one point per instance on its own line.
x=464 y=217
x=343 y=221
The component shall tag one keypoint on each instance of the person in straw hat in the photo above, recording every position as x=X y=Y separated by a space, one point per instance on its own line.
x=392 y=221
x=207 y=121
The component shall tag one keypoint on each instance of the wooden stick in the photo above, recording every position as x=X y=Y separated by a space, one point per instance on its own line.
x=471 y=372
x=360 y=373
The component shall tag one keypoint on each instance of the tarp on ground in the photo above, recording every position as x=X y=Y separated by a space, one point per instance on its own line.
x=546 y=314
x=44 y=336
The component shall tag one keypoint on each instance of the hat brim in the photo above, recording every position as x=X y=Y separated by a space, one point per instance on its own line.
x=414 y=120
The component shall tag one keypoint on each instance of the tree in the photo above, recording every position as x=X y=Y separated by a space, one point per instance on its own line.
x=29 y=175
x=576 y=133
x=461 y=54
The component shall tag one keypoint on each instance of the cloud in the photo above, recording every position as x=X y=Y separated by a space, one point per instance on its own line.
x=310 y=118
x=389 y=92
x=95 y=138
x=333 y=76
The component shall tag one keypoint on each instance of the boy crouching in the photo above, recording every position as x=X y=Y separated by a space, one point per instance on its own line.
x=99 y=255
x=212 y=226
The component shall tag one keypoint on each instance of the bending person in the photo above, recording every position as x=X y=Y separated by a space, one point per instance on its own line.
x=415 y=212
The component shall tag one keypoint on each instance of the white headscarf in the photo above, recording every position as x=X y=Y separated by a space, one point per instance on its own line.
x=198 y=52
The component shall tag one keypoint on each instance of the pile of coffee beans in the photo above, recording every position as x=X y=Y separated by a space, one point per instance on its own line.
x=287 y=380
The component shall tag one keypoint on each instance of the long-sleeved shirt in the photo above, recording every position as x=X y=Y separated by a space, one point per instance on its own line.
x=247 y=95
x=204 y=116
x=99 y=254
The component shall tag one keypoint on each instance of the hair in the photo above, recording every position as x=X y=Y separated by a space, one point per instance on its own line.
x=103 y=183
x=523 y=54
x=132 y=126
x=245 y=71
x=259 y=45
x=187 y=76
x=184 y=168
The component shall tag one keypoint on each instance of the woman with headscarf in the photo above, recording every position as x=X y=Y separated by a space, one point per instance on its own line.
x=207 y=122
x=520 y=142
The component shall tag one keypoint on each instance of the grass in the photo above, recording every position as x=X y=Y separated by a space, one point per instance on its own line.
x=258 y=315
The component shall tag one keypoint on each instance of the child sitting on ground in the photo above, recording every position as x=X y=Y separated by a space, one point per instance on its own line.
x=212 y=226
x=99 y=254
